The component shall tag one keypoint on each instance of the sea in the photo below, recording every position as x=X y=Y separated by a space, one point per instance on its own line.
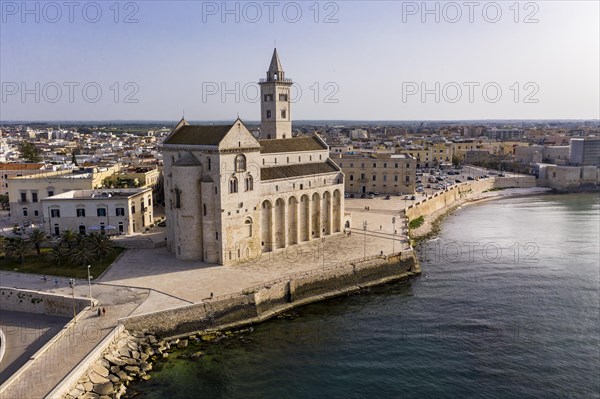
x=507 y=306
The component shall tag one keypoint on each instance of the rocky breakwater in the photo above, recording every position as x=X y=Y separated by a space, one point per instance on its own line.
x=126 y=359
x=131 y=357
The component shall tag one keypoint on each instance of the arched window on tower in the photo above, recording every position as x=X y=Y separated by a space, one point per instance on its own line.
x=248 y=225
x=208 y=163
x=240 y=163
x=249 y=183
x=233 y=185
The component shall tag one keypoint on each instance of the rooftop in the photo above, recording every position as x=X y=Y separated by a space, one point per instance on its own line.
x=303 y=169
x=198 y=135
x=99 y=194
x=291 y=145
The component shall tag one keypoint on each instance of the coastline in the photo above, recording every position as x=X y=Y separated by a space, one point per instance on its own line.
x=432 y=222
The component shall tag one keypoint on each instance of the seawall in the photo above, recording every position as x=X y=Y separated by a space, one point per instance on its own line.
x=28 y=301
x=260 y=303
x=440 y=203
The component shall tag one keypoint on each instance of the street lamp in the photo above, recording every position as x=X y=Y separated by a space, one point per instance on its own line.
x=365 y=241
x=394 y=235
x=90 y=285
x=72 y=284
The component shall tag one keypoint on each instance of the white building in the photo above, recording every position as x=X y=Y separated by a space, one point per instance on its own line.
x=122 y=211
x=229 y=196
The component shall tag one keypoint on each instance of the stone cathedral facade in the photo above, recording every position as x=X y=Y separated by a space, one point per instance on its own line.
x=230 y=197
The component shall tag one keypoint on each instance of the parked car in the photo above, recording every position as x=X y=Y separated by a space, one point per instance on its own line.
x=457 y=181
x=387 y=197
x=376 y=193
x=501 y=175
x=413 y=198
x=346 y=195
x=363 y=196
x=470 y=178
x=371 y=196
x=351 y=195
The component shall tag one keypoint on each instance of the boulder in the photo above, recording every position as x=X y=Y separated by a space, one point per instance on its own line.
x=104 y=389
x=146 y=377
x=144 y=357
x=115 y=360
x=124 y=351
x=97 y=378
x=135 y=354
x=90 y=395
x=182 y=344
x=132 y=369
x=152 y=339
x=145 y=366
x=100 y=369
x=88 y=386
x=130 y=362
x=123 y=376
x=114 y=369
x=104 y=363
x=76 y=392
x=113 y=378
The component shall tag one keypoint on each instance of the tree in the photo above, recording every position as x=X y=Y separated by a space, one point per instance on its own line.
x=100 y=245
x=37 y=237
x=455 y=160
x=4 y=201
x=81 y=254
x=58 y=253
x=69 y=237
x=17 y=249
x=29 y=152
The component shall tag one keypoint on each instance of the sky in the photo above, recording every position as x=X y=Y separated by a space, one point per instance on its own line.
x=350 y=60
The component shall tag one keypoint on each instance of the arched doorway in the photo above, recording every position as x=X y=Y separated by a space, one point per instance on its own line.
x=279 y=223
x=292 y=221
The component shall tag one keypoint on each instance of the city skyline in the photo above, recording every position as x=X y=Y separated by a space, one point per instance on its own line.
x=182 y=59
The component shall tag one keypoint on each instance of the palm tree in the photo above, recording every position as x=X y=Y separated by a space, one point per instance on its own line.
x=101 y=245
x=69 y=237
x=81 y=254
x=58 y=253
x=17 y=249
x=37 y=237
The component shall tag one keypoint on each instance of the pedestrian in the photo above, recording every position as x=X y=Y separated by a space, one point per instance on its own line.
x=45 y=278
x=103 y=311
x=380 y=227
x=99 y=312
x=56 y=282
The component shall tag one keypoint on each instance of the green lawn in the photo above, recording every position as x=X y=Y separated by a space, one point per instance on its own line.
x=43 y=265
x=416 y=223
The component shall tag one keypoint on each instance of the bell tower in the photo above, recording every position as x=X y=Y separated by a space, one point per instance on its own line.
x=275 y=119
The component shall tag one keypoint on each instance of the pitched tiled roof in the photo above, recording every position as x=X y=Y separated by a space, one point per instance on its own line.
x=199 y=135
x=291 y=145
x=302 y=169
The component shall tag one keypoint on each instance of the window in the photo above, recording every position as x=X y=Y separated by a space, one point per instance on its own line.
x=351 y=177
x=283 y=113
x=55 y=213
x=23 y=197
x=80 y=212
x=384 y=177
x=395 y=178
x=374 y=164
x=25 y=213
x=374 y=178
x=268 y=97
x=341 y=165
x=34 y=197
x=233 y=185
x=101 y=211
x=240 y=163
x=208 y=162
x=248 y=224
x=36 y=213
x=50 y=193
x=177 y=200
x=204 y=209
x=217 y=235
x=249 y=183
x=385 y=165
x=268 y=114
x=395 y=165
x=408 y=179
x=120 y=211
x=283 y=97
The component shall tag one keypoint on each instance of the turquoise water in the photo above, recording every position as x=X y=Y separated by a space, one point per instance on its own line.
x=507 y=307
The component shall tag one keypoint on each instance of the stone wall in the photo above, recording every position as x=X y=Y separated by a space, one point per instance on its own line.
x=447 y=198
x=40 y=302
x=259 y=303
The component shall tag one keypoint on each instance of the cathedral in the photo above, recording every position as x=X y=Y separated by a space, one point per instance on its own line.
x=230 y=197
